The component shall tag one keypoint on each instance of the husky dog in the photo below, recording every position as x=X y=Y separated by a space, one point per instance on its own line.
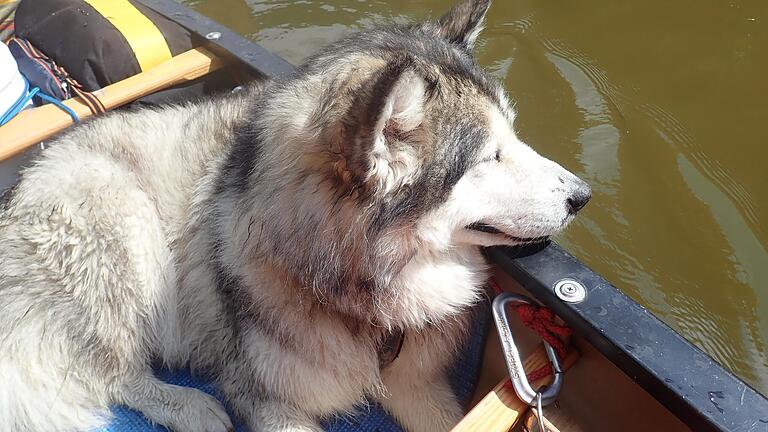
x=276 y=240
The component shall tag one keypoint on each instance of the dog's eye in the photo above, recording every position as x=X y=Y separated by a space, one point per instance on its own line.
x=496 y=157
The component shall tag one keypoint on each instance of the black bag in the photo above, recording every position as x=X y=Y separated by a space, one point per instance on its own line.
x=100 y=42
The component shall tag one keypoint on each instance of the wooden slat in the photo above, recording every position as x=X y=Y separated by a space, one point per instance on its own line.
x=36 y=124
x=500 y=410
x=554 y=423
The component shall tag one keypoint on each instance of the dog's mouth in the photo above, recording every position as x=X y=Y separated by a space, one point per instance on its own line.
x=488 y=229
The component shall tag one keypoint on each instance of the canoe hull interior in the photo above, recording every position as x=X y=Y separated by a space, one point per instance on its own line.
x=596 y=395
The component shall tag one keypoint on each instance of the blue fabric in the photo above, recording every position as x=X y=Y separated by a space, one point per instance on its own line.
x=39 y=72
x=367 y=419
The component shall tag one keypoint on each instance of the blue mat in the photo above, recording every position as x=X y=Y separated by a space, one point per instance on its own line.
x=369 y=419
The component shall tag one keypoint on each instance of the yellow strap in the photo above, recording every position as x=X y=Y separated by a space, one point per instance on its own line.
x=146 y=41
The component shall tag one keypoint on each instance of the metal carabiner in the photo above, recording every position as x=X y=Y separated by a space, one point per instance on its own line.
x=540 y=413
x=520 y=382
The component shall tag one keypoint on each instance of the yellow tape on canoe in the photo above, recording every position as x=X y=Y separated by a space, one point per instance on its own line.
x=146 y=41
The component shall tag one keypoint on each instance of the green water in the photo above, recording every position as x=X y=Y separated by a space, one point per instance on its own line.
x=662 y=106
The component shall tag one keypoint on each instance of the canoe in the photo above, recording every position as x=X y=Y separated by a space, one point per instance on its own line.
x=626 y=370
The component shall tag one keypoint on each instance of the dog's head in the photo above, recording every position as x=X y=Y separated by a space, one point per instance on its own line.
x=426 y=138
x=394 y=142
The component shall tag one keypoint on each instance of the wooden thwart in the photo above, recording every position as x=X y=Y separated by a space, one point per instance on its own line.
x=500 y=410
x=532 y=422
x=36 y=124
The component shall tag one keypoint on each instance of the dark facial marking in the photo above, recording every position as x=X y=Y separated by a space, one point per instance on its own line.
x=458 y=153
x=467 y=139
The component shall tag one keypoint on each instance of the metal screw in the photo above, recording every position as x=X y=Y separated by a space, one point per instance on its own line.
x=570 y=290
x=213 y=35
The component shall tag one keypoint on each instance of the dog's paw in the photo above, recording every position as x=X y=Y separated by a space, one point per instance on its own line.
x=205 y=414
x=212 y=417
x=197 y=412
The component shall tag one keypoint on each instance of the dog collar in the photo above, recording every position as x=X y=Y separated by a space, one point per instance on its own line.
x=390 y=348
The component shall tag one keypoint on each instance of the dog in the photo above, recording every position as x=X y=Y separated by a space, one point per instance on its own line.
x=277 y=240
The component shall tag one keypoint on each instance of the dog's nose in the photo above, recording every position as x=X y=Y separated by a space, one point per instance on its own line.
x=579 y=198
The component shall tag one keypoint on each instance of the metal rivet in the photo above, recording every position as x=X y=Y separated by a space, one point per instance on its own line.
x=570 y=290
x=213 y=35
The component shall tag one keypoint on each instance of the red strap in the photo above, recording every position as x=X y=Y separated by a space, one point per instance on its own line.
x=542 y=321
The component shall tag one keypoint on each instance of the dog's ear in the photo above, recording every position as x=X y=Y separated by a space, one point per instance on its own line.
x=394 y=114
x=397 y=102
x=462 y=24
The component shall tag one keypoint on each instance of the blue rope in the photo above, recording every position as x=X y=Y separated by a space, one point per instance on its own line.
x=18 y=105
x=59 y=104
x=27 y=96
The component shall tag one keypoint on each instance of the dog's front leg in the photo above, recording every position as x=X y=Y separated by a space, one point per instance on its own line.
x=418 y=392
x=272 y=416
x=421 y=403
